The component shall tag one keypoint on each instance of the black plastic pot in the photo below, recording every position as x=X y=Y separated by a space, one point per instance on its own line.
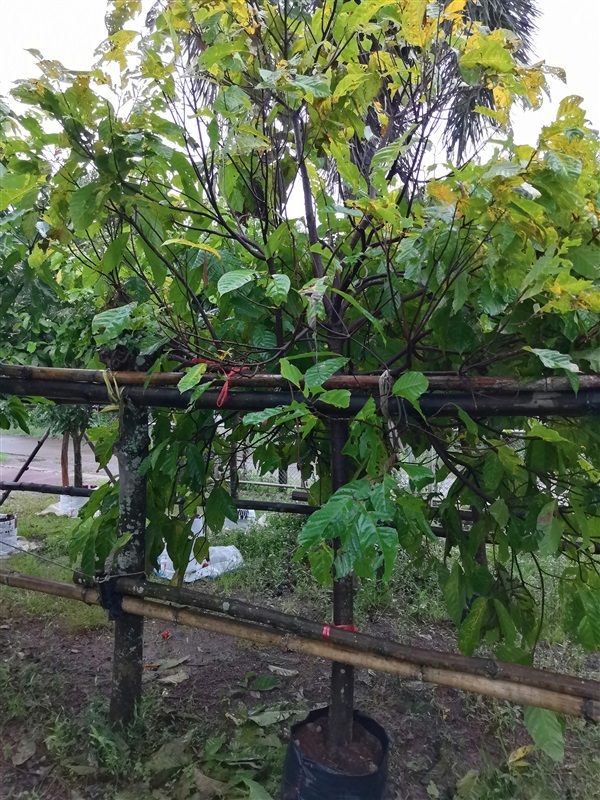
x=304 y=779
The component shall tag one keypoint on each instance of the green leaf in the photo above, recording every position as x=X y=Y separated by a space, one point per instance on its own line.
x=109 y=325
x=455 y=594
x=554 y=359
x=255 y=790
x=546 y=730
x=264 y=683
x=470 y=629
x=321 y=524
x=499 y=511
x=235 y=279
x=321 y=562
x=316 y=375
x=551 y=526
x=490 y=55
x=13 y=188
x=197 y=245
x=493 y=471
x=290 y=372
x=200 y=549
x=419 y=475
x=219 y=505
x=260 y=417
x=278 y=287
x=336 y=397
x=410 y=386
x=540 y=431
x=588 y=630
x=83 y=206
x=468 y=422
x=113 y=254
x=586 y=261
x=504 y=169
x=507 y=626
x=191 y=378
x=363 y=311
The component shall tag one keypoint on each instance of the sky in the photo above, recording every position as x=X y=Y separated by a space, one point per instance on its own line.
x=70 y=30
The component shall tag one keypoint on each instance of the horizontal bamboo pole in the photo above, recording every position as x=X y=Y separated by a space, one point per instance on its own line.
x=522 y=693
x=502 y=690
x=437 y=381
x=46 y=488
x=486 y=667
x=241 y=502
x=446 y=404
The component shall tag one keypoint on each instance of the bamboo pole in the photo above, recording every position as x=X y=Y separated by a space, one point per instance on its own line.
x=274 y=506
x=520 y=693
x=445 y=404
x=485 y=667
x=437 y=381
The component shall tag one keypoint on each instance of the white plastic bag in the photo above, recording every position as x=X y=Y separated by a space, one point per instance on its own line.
x=220 y=560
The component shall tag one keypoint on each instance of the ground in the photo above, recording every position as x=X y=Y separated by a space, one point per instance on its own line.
x=216 y=713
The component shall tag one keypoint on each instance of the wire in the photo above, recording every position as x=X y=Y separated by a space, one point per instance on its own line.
x=69 y=569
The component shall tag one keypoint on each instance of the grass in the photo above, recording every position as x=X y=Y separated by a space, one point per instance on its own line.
x=52 y=534
x=164 y=753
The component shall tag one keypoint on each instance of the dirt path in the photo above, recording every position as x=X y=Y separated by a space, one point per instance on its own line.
x=14 y=451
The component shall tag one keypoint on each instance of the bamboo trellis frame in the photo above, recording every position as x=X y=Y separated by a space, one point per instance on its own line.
x=480 y=397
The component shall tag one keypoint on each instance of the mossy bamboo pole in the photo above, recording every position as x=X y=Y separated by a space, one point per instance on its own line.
x=522 y=693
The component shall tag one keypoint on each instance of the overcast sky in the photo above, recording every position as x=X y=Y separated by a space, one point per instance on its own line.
x=70 y=30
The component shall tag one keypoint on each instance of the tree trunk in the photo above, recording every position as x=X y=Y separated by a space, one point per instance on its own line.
x=77 y=436
x=131 y=449
x=342 y=675
x=64 y=459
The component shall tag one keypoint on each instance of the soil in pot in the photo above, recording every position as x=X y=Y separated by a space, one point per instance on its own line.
x=313 y=770
x=361 y=756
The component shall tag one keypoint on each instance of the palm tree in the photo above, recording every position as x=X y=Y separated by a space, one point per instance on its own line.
x=447 y=116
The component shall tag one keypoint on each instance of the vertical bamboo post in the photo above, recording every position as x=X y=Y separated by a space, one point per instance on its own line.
x=341 y=710
x=131 y=450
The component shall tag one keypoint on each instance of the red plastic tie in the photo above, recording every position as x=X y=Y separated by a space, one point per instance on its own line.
x=327 y=629
x=222 y=398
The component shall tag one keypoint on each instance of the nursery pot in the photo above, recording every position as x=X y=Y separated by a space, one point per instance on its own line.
x=8 y=534
x=306 y=778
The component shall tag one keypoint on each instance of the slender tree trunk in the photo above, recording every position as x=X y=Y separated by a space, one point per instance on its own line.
x=64 y=459
x=131 y=449
x=234 y=476
x=342 y=675
x=77 y=436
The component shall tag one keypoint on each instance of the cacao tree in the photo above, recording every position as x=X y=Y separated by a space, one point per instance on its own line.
x=265 y=201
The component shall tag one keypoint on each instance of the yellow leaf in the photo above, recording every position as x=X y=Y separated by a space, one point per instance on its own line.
x=456 y=7
x=199 y=245
x=441 y=191
x=516 y=758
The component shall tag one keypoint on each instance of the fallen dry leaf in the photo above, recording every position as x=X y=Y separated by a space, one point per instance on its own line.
x=175 y=677
x=208 y=788
x=24 y=752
